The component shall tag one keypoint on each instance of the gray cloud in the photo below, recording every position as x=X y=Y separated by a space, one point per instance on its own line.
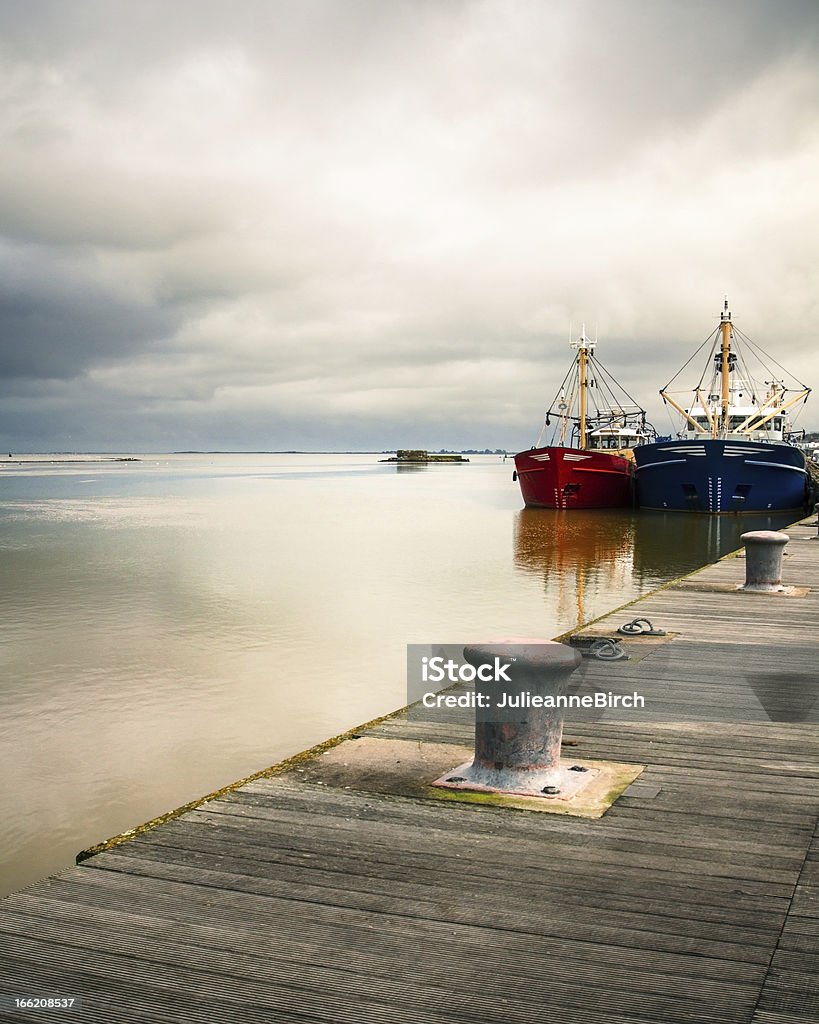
x=59 y=321
x=361 y=224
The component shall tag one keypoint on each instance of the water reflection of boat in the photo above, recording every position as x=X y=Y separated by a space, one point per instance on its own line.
x=734 y=453
x=588 y=463
x=548 y=539
x=668 y=545
x=579 y=556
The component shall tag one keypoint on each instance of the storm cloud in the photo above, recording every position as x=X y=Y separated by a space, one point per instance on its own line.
x=358 y=224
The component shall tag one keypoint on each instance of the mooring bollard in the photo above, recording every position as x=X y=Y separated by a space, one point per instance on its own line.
x=518 y=729
x=763 y=560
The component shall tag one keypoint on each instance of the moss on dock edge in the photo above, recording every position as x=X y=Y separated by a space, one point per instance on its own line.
x=276 y=769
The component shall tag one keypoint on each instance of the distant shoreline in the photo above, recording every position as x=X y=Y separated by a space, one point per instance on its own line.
x=119 y=455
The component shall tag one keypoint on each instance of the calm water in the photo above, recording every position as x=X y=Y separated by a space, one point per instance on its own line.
x=173 y=624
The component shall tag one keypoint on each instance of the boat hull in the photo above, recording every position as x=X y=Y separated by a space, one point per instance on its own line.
x=720 y=476
x=565 y=478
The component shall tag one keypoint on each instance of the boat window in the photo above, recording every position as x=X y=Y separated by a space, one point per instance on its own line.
x=613 y=442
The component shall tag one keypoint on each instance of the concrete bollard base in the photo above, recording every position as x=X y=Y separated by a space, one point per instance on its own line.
x=564 y=781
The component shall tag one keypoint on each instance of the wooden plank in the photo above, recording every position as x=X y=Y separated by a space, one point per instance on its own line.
x=362 y=874
x=792 y=981
x=235 y=952
x=179 y=908
x=267 y=982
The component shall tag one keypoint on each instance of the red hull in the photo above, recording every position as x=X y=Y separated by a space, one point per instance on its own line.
x=570 y=478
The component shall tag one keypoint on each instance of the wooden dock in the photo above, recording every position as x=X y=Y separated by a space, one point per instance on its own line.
x=310 y=896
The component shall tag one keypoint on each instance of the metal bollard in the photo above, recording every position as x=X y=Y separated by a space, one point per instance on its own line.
x=517 y=742
x=763 y=560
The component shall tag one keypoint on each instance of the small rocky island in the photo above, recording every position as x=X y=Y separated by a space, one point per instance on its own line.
x=418 y=455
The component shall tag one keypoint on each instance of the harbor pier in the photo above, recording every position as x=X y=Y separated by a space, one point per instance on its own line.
x=340 y=887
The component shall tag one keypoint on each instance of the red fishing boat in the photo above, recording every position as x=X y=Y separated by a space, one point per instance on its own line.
x=589 y=462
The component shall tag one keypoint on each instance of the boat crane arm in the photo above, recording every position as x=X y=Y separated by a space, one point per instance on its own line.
x=697 y=426
x=757 y=414
x=705 y=409
x=774 y=412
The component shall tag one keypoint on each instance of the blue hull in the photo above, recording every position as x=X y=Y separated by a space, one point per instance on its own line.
x=720 y=476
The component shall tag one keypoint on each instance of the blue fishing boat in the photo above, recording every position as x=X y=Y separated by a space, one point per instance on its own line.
x=736 y=451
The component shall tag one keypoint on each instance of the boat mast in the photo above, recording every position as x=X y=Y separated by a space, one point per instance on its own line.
x=583 y=346
x=583 y=386
x=725 y=327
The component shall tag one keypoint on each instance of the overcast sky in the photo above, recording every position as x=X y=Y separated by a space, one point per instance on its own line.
x=333 y=224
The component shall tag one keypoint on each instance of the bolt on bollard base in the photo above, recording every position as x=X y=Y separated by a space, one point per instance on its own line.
x=519 y=723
